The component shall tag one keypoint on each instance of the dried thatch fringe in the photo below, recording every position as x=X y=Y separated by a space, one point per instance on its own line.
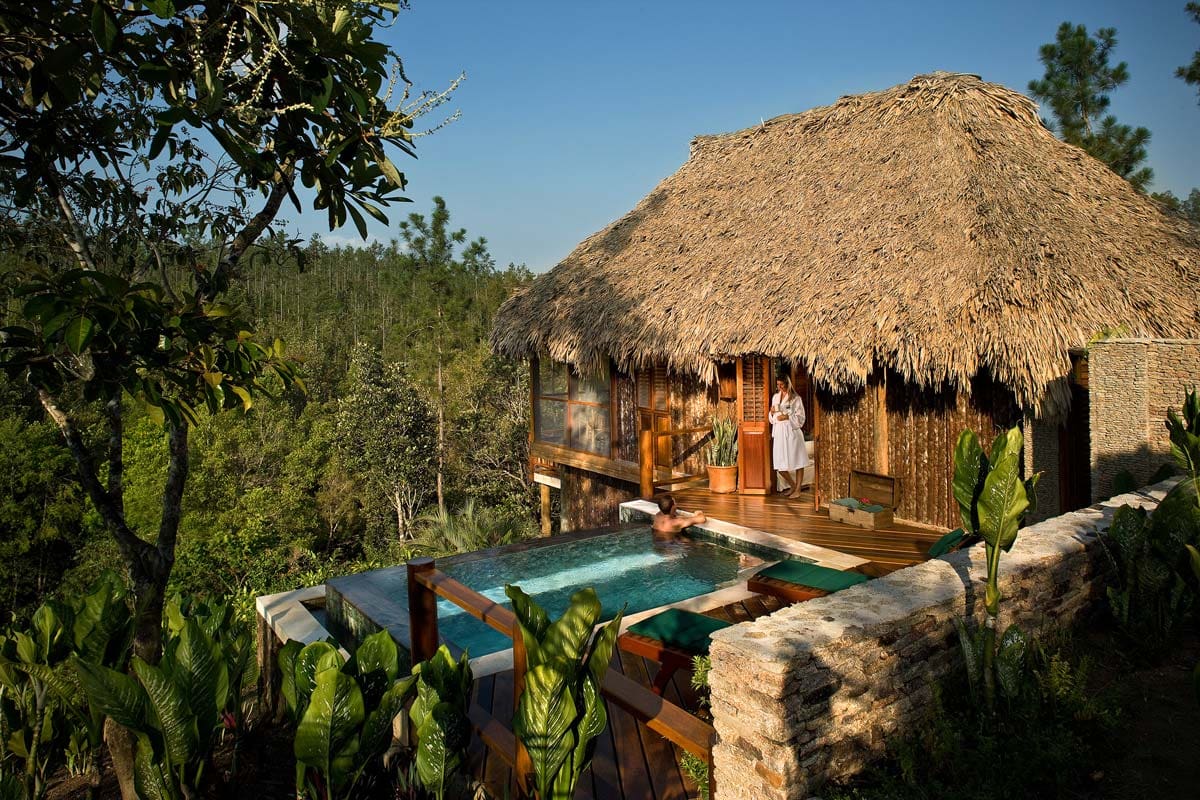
x=936 y=228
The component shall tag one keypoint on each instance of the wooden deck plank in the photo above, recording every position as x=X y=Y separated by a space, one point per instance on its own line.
x=628 y=749
x=497 y=774
x=661 y=761
x=477 y=752
x=892 y=547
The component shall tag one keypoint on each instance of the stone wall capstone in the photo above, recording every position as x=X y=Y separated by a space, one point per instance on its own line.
x=815 y=691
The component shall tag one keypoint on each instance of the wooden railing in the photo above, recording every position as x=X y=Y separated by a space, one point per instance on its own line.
x=647 y=456
x=426 y=584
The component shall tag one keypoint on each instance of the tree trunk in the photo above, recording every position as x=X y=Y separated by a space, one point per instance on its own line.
x=441 y=443
x=401 y=522
x=120 y=747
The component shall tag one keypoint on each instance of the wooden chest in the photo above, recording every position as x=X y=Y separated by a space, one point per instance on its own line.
x=871 y=487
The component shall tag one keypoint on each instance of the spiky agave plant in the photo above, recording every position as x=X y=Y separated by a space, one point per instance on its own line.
x=722 y=451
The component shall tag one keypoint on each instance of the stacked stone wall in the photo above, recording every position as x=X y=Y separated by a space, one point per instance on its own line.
x=815 y=691
x=1133 y=383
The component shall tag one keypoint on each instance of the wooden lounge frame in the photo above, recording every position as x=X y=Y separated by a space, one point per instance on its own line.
x=670 y=659
x=784 y=590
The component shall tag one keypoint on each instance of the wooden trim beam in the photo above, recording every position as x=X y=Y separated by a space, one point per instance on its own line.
x=547 y=523
x=622 y=470
x=664 y=718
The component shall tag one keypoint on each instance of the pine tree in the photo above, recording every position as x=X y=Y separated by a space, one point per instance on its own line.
x=1191 y=72
x=1076 y=85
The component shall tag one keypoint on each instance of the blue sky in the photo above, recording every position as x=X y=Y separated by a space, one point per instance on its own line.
x=572 y=112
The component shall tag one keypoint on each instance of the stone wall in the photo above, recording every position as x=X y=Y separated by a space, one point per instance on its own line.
x=815 y=691
x=1042 y=455
x=1133 y=383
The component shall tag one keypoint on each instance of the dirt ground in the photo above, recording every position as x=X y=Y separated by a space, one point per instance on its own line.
x=1158 y=753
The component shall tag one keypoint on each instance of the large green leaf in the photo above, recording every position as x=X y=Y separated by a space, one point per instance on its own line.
x=568 y=636
x=441 y=743
x=173 y=718
x=376 y=662
x=79 y=333
x=326 y=736
x=532 y=622
x=1010 y=661
x=590 y=725
x=545 y=719
x=153 y=777
x=377 y=728
x=1003 y=500
x=602 y=648
x=202 y=676
x=286 y=664
x=970 y=468
x=114 y=694
x=313 y=659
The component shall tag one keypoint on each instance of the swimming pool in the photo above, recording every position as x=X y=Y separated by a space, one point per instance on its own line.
x=626 y=566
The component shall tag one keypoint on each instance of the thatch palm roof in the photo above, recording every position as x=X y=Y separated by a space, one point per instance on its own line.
x=936 y=228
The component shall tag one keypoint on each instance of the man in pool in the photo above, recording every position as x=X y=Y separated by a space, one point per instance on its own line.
x=670 y=521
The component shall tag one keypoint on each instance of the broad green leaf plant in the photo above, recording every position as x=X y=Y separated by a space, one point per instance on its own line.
x=993 y=499
x=45 y=721
x=1151 y=552
x=176 y=709
x=561 y=711
x=344 y=713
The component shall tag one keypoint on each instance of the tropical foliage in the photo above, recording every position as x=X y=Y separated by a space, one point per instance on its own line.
x=993 y=500
x=45 y=722
x=561 y=711
x=1151 y=552
x=178 y=708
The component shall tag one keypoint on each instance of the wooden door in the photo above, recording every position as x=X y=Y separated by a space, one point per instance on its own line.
x=754 y=431
x=1074 y=445
x=654 y=411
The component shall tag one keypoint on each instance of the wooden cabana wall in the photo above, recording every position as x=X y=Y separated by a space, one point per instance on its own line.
x=894 y=428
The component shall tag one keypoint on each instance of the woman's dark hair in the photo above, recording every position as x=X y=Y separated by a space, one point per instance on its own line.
x=666 y=503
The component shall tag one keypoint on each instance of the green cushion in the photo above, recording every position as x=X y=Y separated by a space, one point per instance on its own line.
x=858 y=505
x=813 y=576
x=947 y=543
x=683 y=630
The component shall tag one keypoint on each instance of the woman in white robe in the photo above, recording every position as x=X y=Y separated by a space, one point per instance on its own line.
x=787 y=435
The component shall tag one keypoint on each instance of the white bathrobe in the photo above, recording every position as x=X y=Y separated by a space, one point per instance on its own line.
x=787 y=436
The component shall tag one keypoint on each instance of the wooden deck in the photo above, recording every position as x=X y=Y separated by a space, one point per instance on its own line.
x=891 y=548
x=631 y=762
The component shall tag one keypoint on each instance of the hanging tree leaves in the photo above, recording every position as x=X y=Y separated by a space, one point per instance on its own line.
x=146 y=150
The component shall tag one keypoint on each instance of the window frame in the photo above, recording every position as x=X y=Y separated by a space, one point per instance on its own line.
x=569 y=401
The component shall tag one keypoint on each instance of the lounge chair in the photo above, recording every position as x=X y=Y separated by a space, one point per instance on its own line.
x=797 y=581
x=672 y=638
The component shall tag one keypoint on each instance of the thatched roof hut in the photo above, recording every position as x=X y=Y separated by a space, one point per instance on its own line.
x=936 y=228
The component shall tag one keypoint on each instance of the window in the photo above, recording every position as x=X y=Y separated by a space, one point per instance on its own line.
x=570 y=409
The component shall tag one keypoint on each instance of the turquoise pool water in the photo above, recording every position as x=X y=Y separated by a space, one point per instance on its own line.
x=624 y=567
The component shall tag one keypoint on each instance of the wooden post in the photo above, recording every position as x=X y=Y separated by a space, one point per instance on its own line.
x=523 y=768
x=545 y=509
x=881 y=426
x=646 y=462
x=422 y=612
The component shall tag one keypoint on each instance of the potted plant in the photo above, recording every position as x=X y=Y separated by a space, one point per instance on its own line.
x=722 y=456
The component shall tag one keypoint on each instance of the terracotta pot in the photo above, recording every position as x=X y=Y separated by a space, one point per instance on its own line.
x=722 y=480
